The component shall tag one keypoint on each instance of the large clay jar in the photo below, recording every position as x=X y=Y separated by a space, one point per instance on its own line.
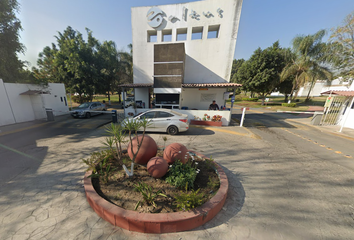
x=148 y=149
x=175 y=151
x=157 y=167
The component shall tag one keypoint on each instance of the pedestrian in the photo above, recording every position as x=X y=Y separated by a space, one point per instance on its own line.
x=213 y=106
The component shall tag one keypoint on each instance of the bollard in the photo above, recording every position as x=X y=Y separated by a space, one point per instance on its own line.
x=114 y=116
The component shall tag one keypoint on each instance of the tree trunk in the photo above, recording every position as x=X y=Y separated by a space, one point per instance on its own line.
x=109 y=98
x=286 y=98
x=308 y=95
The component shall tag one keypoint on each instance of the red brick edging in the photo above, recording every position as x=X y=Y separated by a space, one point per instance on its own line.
x=206 y=123
x=157 y=222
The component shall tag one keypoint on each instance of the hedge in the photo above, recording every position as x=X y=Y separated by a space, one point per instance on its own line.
x=250 y=99
x=288 y=104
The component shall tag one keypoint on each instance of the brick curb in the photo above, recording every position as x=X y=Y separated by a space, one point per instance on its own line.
x=158 y=222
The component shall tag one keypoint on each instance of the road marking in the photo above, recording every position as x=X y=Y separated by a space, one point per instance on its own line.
x=250 y=134
x=23 y=129
x=314 y=142
x=16 y=151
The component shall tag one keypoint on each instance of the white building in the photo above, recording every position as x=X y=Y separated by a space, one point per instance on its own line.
x=27 y=102
x=183 y=53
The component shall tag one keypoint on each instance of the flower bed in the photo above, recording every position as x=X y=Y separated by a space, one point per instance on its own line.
x=206 y=123
x=157 y=222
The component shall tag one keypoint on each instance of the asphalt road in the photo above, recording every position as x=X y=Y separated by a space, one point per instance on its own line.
x=286 y=181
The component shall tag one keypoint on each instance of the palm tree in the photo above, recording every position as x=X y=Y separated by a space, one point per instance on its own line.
x=305 y=61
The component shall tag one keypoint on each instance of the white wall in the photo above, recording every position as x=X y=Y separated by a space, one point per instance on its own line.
x=16 y=108
x=142 y=94
x=207 y=60
x=53 y=100
x=192 y=97
x=6 y=115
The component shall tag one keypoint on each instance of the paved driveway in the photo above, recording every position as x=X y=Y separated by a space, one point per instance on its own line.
x=281 y=187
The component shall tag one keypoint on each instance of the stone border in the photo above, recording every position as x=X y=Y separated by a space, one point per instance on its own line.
x=157 y=222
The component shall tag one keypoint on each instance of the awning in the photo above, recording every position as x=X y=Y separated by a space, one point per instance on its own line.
x=185 y=85
x=210 y=85
x=136 y=85
x=34 y=92
x=346 y=93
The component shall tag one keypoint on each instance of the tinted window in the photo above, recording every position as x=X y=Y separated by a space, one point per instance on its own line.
x=164 y=115
x=148 y=115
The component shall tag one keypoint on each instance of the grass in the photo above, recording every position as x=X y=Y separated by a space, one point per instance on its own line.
x=275 y=103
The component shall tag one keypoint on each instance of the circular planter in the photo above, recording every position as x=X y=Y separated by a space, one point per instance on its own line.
x=157 y=222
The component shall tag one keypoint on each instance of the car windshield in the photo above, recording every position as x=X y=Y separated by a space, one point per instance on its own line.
x=84 y=105
x=138 y=114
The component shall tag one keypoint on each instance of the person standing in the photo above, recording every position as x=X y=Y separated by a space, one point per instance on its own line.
x=213 y=106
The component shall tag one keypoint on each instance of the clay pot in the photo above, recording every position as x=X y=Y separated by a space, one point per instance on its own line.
x=157 y=167
x=148 y=149
x=174 y=152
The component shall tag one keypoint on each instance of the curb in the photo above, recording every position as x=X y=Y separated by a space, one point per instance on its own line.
x=158 y=222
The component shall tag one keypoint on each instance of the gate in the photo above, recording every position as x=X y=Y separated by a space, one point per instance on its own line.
x=333 y=109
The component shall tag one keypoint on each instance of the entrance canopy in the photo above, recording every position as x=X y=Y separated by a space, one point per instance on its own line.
x=210 y=85
x=34 y=92
x=345 y=93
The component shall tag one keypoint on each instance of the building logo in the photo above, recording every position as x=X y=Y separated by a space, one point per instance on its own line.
x=155 y=17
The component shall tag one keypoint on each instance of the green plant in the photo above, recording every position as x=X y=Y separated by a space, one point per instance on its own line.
x=250 y=99
x=148 y=195
x=288 y=104
x=186 y=201
x=181 y=175
x=132 y=126
x=95 y=159
x=210 y=162
x=164 y=138
x=103 y=170
x=213 y=183
x=116 y=132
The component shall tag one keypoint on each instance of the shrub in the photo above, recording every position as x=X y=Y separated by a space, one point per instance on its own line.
x=181 y=175
x=148 y=195
x=186 y=201
x=83 y=99
x=250 y=99
x=288 y=104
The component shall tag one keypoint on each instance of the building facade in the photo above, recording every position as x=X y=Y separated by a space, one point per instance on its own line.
x=182 y=53
x=27 y=102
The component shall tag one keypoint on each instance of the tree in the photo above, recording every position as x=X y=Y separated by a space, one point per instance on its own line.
x=342 y=47
x=261 y=72
x=308 y=53
x=236 y=64
x=10 y=65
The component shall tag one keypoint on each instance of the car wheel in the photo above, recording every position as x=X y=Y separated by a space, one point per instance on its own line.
x=172 y=130
x=88 y=115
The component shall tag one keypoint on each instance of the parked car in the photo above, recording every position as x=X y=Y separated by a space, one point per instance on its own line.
x=163 y=120
x=128 y=102
x=88 y=109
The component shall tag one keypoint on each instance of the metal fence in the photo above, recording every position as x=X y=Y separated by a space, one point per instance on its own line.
x=332 y=113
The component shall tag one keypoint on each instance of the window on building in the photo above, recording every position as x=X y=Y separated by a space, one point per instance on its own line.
x=181 y=34
x=167 y=35
x=61 y=99
x=152 y=36
x=197 y=33
x=207 y=97
x=213 y=31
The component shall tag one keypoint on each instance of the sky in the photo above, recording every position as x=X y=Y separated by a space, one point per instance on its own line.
x=262 y=22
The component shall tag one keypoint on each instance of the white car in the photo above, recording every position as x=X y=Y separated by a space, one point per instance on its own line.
x=163 y=120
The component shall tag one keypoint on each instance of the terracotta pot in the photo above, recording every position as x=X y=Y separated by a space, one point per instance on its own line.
x=148 y=149
x=157 y=167
x=175 y=151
